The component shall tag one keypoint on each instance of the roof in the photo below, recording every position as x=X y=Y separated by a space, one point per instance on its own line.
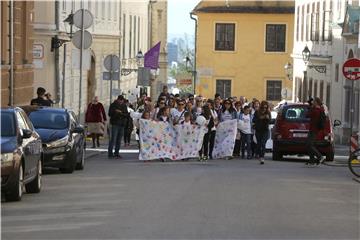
x=351 y=23
x=233 y=6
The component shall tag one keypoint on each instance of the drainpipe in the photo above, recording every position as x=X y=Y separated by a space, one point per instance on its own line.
x=194 y=70
x=57 y=55
x=11 y=27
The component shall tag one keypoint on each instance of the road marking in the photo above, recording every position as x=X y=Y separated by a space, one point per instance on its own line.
x=52 y=227
x=121 y=151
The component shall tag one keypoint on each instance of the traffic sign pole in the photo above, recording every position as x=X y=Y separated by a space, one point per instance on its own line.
x=81 y=60
x=351 y=71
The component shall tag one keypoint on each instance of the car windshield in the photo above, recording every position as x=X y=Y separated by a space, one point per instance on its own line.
x=296 y=114
x=49 y=120
x=8 y=127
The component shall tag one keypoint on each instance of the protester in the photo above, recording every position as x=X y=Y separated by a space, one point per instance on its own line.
x=238 y=109
x=218 y=106
x=204 y=152
x=215 y=119
x=41 y=99
x=165 y=93
x=228 y=112
x=261 y=122
x=245 y=121
x=316 y=114
x=177 y=114
x=198 y=107
x=129 y=127
x=187 y=119
x=164 y=114
x=95 y=119
x=171 y=102
x=118 y=114
x=161 y=103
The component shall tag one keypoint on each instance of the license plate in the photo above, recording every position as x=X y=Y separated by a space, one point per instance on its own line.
x=300 y=135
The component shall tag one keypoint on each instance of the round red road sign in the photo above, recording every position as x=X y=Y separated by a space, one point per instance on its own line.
x=351 y=69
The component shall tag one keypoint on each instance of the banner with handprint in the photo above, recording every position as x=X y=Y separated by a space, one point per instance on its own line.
x=162 y=140
x=225 y=139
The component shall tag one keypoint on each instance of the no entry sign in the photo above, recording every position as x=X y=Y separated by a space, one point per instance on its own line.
x=351 y=69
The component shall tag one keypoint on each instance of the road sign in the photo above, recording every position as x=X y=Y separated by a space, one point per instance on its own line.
x=112 y=63
x=111 y=75
x=88 y=18
x=76 y=40
x=351 y=69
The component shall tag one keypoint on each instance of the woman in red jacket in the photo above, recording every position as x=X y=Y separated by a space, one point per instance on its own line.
x=95 y=120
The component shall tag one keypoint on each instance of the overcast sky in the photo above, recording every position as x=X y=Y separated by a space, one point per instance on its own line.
x=179 y=21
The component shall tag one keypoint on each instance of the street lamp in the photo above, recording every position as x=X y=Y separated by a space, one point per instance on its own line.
x=306 y=54
x=139 y=61
x=192 y=71
x=289 y=70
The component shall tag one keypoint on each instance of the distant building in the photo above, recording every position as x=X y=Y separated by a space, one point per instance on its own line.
x=242 y=47
x=172 y=53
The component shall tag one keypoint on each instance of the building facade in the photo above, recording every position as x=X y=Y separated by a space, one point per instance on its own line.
x=17 y=73
x=242 y=47
x=119 y=28
x=319 y=25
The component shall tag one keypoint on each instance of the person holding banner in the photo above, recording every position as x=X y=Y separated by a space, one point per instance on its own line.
x=177 y=114
x=204 y=152
x=161 y=103
x=261 y=123
x=228 y=112
x=238 y=108
x=163 y=115
x=215 y=119
x=245 y=122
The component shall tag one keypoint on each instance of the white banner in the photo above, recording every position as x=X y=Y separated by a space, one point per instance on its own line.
x=225 y=139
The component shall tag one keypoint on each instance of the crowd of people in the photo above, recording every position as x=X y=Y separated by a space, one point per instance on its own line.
x=253 y=120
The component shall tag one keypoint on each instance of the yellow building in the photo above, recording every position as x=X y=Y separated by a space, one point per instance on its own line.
x=242 y=47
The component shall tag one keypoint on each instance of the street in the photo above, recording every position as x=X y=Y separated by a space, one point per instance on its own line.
x=221 y=199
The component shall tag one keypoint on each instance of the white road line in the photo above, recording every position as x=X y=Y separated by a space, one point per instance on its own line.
x=52 y=227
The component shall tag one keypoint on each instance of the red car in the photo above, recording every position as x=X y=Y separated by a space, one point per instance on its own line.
x=291 y=130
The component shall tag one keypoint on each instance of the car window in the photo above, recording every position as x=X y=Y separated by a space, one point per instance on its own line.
x=296 y=114
x=27 y=120
x=73 y=120
x=49 y=120
x=22 y=123
x=8 y=127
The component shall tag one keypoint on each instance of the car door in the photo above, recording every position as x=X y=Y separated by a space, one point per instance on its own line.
x=28 y=146
x=37 y=144
x=77 y=136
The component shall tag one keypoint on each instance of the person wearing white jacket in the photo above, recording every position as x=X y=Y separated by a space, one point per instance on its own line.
x=245 y=126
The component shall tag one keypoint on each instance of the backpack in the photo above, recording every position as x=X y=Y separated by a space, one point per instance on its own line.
x=322 y=120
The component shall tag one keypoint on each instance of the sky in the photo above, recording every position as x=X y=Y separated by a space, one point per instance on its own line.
x=179 y=21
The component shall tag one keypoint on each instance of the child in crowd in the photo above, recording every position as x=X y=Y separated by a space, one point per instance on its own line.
x=187 y=120
x=245 y=123
x=163 y=115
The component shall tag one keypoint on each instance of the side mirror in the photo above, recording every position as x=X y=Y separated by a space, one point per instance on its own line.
x=26 y=133
x=337 y=123
x=78 y=129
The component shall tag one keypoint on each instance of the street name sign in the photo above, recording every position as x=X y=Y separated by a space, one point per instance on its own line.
x=351 y=69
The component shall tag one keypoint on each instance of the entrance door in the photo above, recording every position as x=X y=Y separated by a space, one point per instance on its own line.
x=223 y=87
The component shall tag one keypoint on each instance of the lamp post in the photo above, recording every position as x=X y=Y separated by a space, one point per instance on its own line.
x=192 y=71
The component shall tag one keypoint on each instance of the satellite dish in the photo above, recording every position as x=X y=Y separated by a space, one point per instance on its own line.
x=88 y=18
x=76 y=40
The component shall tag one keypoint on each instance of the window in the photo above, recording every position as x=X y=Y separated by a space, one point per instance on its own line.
x=123 y=35
x=305 y=90
x=299 y=87
x=273 y=90
x=315 y=23
x=103 y=5
x=21 y=122
x=308 y=22
x=223 y=87
x=327 y=22
x=64 y=5
x=138 y=39
x=315 y=88
x=322 y=90
x=275 y=37
x=134 y=42
x=130 y=37
x=311 y=87
x=297 y=23
x=302 y=23
x=328 y=90
x=337 y=72
x=225 y=37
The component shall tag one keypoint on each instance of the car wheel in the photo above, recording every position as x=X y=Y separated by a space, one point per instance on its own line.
x=329 y=157
x=80 y=165
x=35 y=185
x=16 y=192
x=276 y=155
x=70 y=163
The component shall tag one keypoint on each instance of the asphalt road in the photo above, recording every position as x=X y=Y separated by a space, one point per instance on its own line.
x=222 y=199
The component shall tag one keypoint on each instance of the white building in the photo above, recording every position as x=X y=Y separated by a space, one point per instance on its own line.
x=319 y=26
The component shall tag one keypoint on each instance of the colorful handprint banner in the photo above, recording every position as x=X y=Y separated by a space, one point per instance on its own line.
x=162 y=140
x=225 y=139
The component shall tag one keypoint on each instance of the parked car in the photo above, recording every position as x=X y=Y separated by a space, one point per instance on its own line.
x=62 y=136
x=291 y=130
x=21 y=155
x=269 y=142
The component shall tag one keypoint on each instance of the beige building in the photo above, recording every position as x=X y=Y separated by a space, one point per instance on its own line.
x=120 y=28
x=17 y=73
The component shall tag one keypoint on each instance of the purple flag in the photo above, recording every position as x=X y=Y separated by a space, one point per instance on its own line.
x=151 y=59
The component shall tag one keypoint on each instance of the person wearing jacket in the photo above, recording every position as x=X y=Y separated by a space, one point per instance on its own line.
x=261 y=123
x=315 y=110
x=238 y=108
x=212 y=130
x=227 y=112
x=118 y=114
x=245 y=121
x=95 y=118
x=204 y=151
